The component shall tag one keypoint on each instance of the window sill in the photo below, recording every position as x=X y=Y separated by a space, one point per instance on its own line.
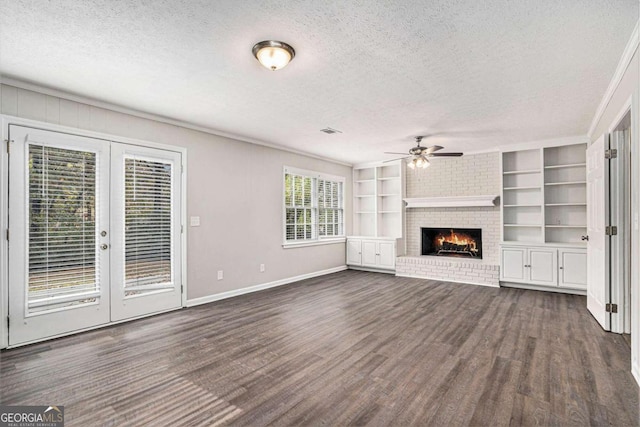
x=331 y=241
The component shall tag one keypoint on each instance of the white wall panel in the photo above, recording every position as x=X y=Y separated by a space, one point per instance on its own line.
x=234 y=187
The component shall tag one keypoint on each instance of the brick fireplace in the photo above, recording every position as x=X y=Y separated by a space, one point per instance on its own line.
x=436 y=182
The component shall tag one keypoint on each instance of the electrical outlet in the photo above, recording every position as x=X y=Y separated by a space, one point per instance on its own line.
x=220 y=275
x=194 y=221
x=261 y=268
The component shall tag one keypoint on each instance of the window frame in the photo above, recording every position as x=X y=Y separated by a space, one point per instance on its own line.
x=316 y=239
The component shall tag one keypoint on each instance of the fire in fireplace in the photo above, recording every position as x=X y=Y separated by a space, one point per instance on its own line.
x=455 y=242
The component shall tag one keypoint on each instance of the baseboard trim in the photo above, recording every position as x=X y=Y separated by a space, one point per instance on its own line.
x=260 y=287
x=543 y=288
x=415 y=276
x=371 y=270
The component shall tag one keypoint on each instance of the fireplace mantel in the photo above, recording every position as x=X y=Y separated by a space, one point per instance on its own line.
x=450 y=201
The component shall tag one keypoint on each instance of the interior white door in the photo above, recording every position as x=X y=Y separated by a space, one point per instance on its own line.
x=145 y=219
x=59 y=206
x=598 y=290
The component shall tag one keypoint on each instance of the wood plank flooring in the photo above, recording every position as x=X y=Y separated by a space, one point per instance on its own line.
x=351 y=348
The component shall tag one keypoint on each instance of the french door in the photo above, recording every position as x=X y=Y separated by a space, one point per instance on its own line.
x=94 y=233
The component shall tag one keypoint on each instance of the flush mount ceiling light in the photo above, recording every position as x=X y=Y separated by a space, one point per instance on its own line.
x=273 y=54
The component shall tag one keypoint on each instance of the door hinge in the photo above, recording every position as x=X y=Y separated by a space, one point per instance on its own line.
x=8 y=146
x=8 y=321
x=611 y=230
x=181 y=229
x=611 y=154
x=7 y=234
x=611 y=308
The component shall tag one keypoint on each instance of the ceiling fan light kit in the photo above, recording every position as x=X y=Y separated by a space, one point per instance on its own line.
x=419 y=162
x=419 y=156
x=273 y=54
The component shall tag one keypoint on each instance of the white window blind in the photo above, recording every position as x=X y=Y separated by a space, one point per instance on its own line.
x=314 y=206
x=62 y=227
x=148 y=220
x=330 y=210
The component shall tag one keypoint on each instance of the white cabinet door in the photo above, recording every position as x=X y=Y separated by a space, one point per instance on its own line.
x=573 y=268
x=542 y=266
x=512 y=264
x=386 y=255
x=369 y=253
x=354 y=252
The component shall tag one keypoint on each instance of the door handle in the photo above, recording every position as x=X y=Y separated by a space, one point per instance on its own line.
x=584 y=238
x=104 y=246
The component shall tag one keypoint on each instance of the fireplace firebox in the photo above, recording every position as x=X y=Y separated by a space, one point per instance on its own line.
x=452 y=242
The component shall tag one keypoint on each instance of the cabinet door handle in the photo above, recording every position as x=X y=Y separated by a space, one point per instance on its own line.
x=561 y=267
x=584 y=238
x=527 y=265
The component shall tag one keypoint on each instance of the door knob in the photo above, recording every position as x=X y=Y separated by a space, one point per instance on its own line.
x=104 y=246
x=584 y=238
x=103 y=233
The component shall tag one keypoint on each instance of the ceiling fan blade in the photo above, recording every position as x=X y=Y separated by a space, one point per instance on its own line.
x=433 y=148
x=393 y=160
x=391 y=152
x=445 y=154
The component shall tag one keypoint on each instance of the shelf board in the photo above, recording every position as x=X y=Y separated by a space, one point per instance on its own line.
x=570 y=165
x=365 y=180
x=389 y=195
x=564 y=226
x=520 y=188
x=523 y=206
x=566 y=183
x=389 y=212
x=522 y=225
x=523 y=172
x=366 y=195
x=566 y=204
x=365 y=212
x=388 y=178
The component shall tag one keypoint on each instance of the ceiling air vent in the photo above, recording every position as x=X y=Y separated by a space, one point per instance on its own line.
x=330 y=131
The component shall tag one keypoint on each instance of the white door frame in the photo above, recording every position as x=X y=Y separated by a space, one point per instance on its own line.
x=619 y=217
x=6 y=120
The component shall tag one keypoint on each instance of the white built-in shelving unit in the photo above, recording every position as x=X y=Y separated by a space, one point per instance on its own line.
x=378 y=218
x=378 y=200
x=544 y=195
x=544 y=216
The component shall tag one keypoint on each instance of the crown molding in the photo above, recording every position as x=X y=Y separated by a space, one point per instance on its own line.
x=629 y=50
x=45 y=90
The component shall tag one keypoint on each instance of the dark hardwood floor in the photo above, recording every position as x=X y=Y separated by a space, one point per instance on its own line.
x=349 y=348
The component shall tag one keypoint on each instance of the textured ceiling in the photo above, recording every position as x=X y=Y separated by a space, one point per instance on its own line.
x=477 y=74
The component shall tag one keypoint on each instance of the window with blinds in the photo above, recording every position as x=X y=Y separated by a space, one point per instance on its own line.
x=148 y=220
x=62 y=228
x=330 y=212
x=313 y=205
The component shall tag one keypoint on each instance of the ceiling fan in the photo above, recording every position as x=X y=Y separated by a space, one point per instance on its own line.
x=419 y=155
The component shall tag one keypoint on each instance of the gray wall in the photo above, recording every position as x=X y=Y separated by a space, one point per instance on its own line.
x=235 y=187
